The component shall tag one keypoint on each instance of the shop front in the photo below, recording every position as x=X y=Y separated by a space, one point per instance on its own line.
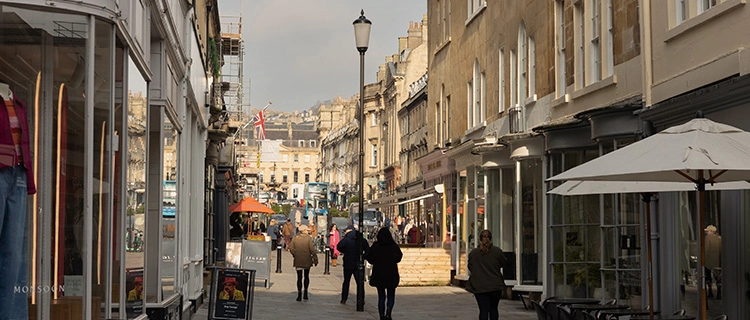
x=95 y=234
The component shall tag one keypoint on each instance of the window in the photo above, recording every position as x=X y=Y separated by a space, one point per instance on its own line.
x=260 y=177
x=307 y=177
x=374 y=159
x=532 y=67
x=560 y=75
x=680 y=11
x=578 y=39
x=285 y=158
x=313 y=144
x=475 y=5
x=705 y=5
x=469 y=104
x=284 y=177
x=610 y=40
x=501 y=83
x=301 y=143
x=513 y=79
x=374 y=119
x=296 y=177
x=475 y=112
x=307 y=158
x=296 y=158
x=445 y=21
x=522 y=64
x=595 y=58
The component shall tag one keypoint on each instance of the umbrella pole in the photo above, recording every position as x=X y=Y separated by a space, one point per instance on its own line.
x=646 y=197
x=701 y=184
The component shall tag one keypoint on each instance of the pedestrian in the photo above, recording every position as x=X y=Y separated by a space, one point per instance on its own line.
x=384 y=257
x=287 y=230
x=333 y=240
x=273 y=231
x=485 y=277
x=305 y=256
x=349 y=247
x=712 y=260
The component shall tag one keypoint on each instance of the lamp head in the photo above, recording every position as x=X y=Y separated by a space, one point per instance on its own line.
x=362 y=32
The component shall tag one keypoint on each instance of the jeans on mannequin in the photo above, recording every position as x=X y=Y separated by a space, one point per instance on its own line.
x=13 y=290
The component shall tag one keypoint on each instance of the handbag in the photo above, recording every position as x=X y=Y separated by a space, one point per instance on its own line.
x=314 y=258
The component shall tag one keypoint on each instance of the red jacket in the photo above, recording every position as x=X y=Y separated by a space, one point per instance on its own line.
x=6 y=139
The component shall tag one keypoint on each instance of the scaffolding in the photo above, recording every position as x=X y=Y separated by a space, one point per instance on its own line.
x=233 y=52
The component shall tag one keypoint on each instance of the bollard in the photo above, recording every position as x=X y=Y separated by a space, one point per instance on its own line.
x=326 y=269
x=278 y=259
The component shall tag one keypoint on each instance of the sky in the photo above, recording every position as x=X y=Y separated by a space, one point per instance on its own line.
x=301 y=52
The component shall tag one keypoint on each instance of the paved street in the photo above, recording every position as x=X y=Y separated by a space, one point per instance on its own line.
x=278 y=301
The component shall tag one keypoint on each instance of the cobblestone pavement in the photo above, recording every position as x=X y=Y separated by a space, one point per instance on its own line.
x=278 y=301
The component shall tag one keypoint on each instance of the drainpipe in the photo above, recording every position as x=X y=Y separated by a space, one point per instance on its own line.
x=646 y=55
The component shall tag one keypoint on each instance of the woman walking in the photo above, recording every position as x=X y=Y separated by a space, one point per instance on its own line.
x=384 y=255
x=486 y=279
x=333 y=240
x=305 y=256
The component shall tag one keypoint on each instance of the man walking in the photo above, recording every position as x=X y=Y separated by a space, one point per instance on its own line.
x=349 y=247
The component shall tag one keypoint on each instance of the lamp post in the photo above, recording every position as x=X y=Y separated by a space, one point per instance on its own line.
x=362 y=38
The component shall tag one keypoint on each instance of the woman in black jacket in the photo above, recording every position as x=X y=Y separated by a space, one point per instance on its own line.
x=486 y=278
x=384 y=255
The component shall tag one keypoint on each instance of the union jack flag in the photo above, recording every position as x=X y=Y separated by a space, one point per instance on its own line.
x=260 y=125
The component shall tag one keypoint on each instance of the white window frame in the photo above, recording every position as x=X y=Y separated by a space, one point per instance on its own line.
x=313 y=144
x=285 y=157
x=445 y=19
x=610 y=56
x=513 y=79
x=374 y=155
x=704 y=5
x=594 y=41
x=501 y=83
x=296 y=157
x=307 y=158
x=473 y=8
x=578 y=39
x=301 y=143
x=681 y=11
x=560 y=77
x=532 y=67
x=374 y=119
x=522 y=63
x=469 y=103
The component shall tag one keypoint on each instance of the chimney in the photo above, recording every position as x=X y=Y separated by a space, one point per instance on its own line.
x=289 y=129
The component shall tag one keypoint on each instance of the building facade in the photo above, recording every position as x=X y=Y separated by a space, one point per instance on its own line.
x=115 y=124
x=526 y=91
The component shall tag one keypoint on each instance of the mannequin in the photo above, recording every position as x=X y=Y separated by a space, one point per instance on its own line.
x=17 y=178
x=5 y=91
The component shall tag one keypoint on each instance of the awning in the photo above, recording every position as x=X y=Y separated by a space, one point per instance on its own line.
x=417 y=198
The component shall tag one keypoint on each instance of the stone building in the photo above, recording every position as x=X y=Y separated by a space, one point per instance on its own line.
x=525 y=90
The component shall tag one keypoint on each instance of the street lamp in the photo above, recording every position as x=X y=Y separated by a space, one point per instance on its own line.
x=362 y=38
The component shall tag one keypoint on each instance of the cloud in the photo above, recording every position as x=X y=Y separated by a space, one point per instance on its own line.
x=300 y=52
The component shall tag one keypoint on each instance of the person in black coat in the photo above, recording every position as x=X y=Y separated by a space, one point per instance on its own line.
x=486 y=278
x=384 y=257
x=349 y=247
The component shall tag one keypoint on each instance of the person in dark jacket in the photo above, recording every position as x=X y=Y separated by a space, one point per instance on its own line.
x=384 y=257
x=486 y=279
x=349 y=247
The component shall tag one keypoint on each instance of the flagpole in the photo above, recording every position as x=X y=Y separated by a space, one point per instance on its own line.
x=258 y=141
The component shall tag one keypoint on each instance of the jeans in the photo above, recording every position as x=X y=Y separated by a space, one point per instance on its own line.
x=13 y=303
x=390 y=295
x=487 y=302
x=348 y=273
